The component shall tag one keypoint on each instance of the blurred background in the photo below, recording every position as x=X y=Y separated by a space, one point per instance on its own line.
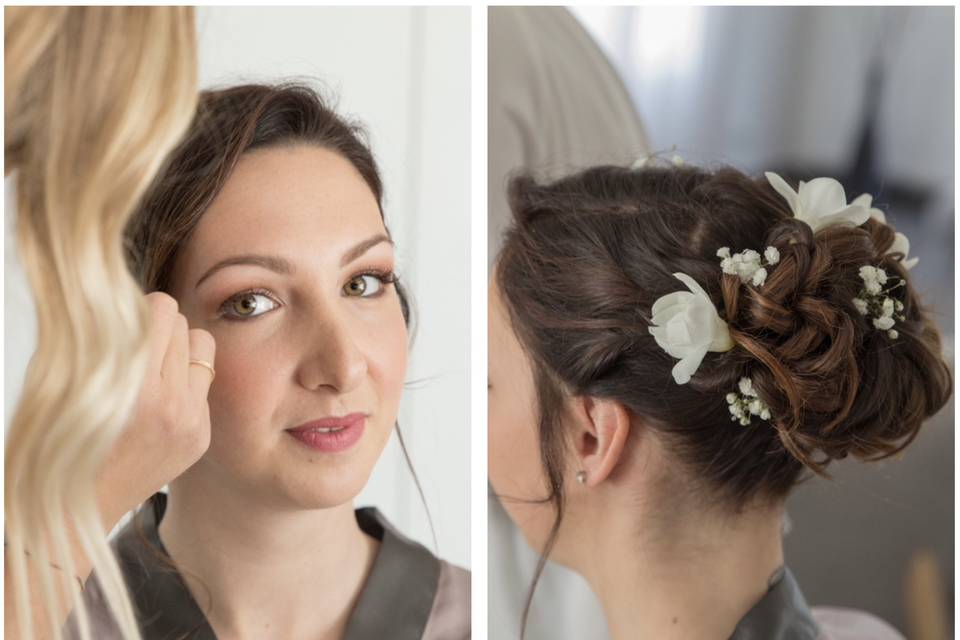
x=861 y=94
x=403 y=72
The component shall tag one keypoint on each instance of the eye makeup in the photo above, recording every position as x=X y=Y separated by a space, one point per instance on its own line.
x=355 y=287
x=225 y=309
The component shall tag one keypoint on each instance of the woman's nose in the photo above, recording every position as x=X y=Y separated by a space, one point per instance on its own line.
x=334 y=359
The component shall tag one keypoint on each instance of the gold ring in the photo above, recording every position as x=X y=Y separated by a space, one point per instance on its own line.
x=207 y=365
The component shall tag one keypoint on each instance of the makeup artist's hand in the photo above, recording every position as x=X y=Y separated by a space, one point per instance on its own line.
x=170 y=428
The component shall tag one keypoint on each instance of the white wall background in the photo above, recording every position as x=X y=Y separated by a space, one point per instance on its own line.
x=404 y=72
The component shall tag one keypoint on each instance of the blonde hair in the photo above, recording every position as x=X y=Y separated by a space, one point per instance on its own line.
x=96 y=97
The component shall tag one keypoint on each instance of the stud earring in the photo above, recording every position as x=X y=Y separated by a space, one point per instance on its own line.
x=582 y=477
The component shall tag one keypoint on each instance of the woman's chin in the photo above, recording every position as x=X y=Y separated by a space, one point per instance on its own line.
x=323 y=490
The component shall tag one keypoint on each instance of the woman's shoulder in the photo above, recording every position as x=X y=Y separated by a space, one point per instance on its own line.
x=840 y=623
x=783 y=613
x=422 y=591
x=450 y=616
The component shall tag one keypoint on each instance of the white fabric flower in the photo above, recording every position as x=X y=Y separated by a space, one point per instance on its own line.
x=772 y=255
x=900 y=242
x=902 y=245
x=687 y=326
x=866 y=200
x=861 y=305
x=820 y=202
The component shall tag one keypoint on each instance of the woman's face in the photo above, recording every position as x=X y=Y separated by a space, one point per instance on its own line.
x=515 y=469
x=289 y=270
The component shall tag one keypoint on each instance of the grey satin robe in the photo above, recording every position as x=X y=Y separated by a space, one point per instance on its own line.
x=783 y=614
x=410 y=593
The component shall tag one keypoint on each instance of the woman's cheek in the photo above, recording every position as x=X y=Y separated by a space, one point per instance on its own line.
x=514 y=451
x=242 y=385
x=515 y=468
x=387 y=355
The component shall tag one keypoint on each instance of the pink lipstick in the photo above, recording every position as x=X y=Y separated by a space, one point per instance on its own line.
x=331 y=435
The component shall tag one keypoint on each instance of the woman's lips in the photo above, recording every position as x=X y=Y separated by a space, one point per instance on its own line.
x=331 y=435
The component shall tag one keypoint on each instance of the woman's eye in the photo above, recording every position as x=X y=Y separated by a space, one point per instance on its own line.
x=247 y=305
x=366 y=285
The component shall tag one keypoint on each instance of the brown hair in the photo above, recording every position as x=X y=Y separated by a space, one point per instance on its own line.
x=228 y=123
x=587 y=256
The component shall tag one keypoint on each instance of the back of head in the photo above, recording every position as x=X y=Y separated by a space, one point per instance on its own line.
x=589 y=255
x=95 y=97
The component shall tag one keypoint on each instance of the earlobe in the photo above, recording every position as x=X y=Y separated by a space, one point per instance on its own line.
x=603 y=427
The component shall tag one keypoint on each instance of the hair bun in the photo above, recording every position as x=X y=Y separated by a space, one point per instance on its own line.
x=834 y=383
x=589 y=255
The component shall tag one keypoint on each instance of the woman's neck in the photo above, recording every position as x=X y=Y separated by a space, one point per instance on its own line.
x=258 y=571
x=695 y=582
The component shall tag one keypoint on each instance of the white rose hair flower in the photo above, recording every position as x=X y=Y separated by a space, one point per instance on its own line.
x=900 y=242
x=902 y=245
x=821 y=202
x=866 y=200
x=687 y=325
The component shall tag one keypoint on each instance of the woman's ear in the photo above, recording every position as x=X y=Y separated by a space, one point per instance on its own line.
x=601 y=430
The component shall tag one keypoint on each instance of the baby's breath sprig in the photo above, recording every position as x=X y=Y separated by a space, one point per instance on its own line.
x=874 y=301
x=747 y=265
x=745 y=404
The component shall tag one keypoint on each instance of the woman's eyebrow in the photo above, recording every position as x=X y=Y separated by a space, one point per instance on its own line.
x=273 y=263
x=281 y=265
x=362 y=247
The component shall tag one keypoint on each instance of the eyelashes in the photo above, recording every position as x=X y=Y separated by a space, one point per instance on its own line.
x=229 y=309
x=253 y=303
x=370 y=284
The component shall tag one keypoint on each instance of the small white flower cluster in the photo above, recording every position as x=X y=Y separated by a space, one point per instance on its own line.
x=648 y=158
x=745 y=404
x=747 y=264
x=873 y=301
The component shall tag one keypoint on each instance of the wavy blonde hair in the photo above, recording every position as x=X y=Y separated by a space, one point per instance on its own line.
x=96 y=97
